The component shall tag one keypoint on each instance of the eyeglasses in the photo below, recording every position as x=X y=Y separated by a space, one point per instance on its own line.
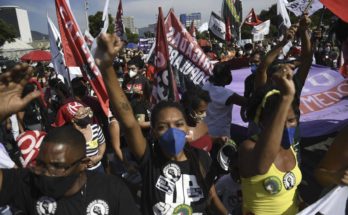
x=54 y=169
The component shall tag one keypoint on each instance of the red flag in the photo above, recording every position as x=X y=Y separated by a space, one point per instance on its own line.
x=193 y=29
x=344 y=59
x=118 y=21
x=338 y=7
x=165 y=86
x=228 y=36
x=252 y=19
x=77 y=54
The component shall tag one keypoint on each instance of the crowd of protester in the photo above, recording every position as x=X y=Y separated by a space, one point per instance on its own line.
x=60 y=154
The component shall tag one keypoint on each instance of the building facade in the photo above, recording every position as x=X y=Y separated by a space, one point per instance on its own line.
x=19 y=19
x=128 y=22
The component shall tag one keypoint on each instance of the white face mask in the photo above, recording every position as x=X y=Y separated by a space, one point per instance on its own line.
x=200 y=117
x=132 y=73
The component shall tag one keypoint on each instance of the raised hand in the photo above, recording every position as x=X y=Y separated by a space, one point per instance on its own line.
x=291 y=32
x=305 y=22
x=108 y=47
x=283 y=79
x=342 y=177
x=11 y=88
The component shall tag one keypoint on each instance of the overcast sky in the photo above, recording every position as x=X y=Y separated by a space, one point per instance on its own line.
x=143 y=11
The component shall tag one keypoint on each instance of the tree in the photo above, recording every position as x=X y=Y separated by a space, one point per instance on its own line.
x=96 y=23
x=132 y=38
x=7 y=32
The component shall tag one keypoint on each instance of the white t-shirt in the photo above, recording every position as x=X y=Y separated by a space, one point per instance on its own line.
x=219 y=114
x=230 y=194
x=5 y=160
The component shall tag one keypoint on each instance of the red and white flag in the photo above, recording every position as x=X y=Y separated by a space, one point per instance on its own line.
x=88 y=38
x=252 y=19
x=119 y=30
x=165 y=86
x=77 y=53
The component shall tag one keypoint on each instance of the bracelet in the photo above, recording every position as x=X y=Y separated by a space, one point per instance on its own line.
x=112 y=119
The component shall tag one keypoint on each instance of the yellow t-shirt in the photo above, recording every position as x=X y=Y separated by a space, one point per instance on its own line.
x=273 y=193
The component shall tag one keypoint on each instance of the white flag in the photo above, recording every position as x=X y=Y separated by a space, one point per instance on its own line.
x=262 y=28
x=57 y=50
x=283 y=14
x=217 y=26
x=299 y=6
x=105 y=19
x=335 y=202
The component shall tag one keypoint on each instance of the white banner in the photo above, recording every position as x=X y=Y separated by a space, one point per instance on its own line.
x=258 y=37
x=262 y=28
x=299 y=6
x=335 y=202
x=105 y=20
x=217 y=26
x=56 y=50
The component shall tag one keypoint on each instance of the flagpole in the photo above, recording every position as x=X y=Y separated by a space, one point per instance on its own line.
x=86 y=14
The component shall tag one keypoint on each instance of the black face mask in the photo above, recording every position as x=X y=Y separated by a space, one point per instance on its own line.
x=54 y=187
x=83 y=122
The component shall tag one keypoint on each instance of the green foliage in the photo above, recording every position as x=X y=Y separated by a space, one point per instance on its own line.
x=96 y=24
x=7 y=32
x=132 y=38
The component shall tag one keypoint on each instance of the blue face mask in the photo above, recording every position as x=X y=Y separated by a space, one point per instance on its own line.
x=173 y=141
x=288 y=138
x=253 y=67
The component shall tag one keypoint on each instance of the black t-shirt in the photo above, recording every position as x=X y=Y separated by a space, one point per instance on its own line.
x=134 y=86
x=249 y=85
x=103 y=194
x=171 y=187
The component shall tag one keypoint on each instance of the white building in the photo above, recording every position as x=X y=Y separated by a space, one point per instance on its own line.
x=19 y=19
x=128 y=22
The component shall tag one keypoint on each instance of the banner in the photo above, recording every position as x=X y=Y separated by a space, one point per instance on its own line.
x=165 y=85
x=188 y=60
x=335 y=202
x=57 y=51
x=252 y=19
x=324 y=107
x=217 y=27
x=258 y=37
x=77 y=54
x=299 y=6
x=262 y=28
x=145 y=44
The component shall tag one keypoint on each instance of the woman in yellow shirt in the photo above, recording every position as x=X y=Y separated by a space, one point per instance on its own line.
x=268 y=165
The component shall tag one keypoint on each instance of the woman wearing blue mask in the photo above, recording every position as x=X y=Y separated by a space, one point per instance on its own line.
x=175 y=176
x=268 y=164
